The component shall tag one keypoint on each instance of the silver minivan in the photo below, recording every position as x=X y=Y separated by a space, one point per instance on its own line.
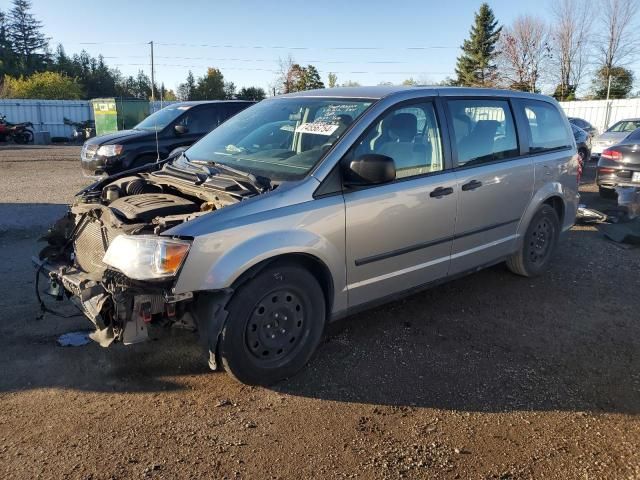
x=307 y=207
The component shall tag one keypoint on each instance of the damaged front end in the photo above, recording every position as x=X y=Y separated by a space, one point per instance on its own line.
x=111 y=257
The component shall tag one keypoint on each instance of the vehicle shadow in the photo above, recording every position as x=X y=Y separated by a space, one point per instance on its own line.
x=492 y=342
x=489 y=342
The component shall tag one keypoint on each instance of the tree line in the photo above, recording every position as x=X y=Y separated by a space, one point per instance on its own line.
x=586 y=40
x=28 y=69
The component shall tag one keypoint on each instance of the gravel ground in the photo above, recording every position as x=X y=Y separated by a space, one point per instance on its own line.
x=488 y=377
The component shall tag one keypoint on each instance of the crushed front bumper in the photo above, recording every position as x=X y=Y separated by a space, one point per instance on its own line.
x=124 y=315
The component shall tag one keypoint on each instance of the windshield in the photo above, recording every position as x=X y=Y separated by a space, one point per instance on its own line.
x=281 y=139
x=625 y=126
x=162 y=118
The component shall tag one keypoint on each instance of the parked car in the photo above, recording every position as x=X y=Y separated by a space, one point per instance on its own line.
x=584 y=125
x=619 y=166
x=308 y=207
x=176 y=125
x=614 y=134
x=583 y=143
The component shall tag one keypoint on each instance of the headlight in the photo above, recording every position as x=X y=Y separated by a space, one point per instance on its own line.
x=110 y=150
x=143 y=257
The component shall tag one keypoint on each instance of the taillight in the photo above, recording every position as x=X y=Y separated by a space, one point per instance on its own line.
x=611 y=154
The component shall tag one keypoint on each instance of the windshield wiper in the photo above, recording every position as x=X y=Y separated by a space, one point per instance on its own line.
x=258 y=182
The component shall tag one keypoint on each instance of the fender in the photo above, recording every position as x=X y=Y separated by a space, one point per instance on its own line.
x=547 y=191
x=234 y=262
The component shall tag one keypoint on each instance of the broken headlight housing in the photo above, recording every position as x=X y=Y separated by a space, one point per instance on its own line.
x=146 y=257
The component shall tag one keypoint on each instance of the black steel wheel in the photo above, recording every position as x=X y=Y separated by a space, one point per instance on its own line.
x=275 y=324
x=538 y=244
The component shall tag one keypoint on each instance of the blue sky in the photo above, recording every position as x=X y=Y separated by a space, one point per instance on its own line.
x=400 y=35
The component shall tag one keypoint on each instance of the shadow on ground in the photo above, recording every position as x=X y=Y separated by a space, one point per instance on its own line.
x=489 y=342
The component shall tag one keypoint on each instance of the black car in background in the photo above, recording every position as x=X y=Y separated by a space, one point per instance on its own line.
x=177 y=125
x=583 y=142
x=619 y=166
x=584 y=125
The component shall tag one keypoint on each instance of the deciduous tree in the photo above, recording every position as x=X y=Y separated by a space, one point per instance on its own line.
x=524 y=50
x=45 y=85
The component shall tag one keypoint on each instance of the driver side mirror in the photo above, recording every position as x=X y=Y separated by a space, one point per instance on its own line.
x=370 y=169
x=181 y=129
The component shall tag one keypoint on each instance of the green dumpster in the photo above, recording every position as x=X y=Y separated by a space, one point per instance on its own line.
x=113 y=114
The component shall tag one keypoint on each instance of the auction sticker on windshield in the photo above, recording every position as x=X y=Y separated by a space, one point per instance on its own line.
x=317 y=128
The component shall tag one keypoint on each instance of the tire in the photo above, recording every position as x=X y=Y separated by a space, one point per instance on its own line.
x=537 y=247
x=23 y=138
x=275 y=323
x=608 y=193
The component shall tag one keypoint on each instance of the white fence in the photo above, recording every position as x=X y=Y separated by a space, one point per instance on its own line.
x=602 y=114
x=49 y=115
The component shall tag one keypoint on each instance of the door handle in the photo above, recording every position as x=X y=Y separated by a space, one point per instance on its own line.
x=472 y=185
x=441 y=192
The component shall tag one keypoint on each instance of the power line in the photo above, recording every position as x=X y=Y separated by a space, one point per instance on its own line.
x=282 y=47
x=260 y=60
x=389 y=72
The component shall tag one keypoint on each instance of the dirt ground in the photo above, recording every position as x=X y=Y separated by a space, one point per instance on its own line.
x=488 y=377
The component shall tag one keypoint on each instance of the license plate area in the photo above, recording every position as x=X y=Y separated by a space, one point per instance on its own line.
x=635 y=177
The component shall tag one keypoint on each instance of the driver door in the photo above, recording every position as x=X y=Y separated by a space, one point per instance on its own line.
x=399 y=235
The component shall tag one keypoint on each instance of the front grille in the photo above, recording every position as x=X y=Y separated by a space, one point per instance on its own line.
x=88 y=152
x=90 y=245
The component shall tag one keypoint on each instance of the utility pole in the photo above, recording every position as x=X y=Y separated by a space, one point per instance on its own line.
x=153 y=79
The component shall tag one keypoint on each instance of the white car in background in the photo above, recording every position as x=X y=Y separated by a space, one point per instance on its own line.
x=613 y=135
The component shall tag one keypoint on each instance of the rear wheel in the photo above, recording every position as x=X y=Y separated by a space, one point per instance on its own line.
x=609 y=193
x=275 y=323
x=23 y=137
x=538 y=245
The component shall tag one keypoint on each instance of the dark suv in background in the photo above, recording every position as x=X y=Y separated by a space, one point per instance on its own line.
x=177 y=125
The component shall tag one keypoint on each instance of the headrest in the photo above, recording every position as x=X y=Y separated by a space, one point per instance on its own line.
x=404 y=126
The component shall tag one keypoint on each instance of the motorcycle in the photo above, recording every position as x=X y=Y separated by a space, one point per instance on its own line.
x=21 y=133
x=82 y=130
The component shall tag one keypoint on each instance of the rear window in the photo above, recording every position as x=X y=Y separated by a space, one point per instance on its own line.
x=547 y=130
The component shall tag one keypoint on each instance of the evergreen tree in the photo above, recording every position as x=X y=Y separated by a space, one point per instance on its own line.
x=229 y=90
x=251 y=93
x=312 y=78
x=7 y=56
x=476 y=66
x=621 y=83
x=211 y=86
x=29 y=43
x=187 y=90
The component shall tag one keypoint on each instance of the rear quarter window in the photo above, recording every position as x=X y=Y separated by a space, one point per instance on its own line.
x=547 y=129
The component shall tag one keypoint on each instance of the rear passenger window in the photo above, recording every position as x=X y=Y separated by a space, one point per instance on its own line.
x=483 y=131
x=547 y=130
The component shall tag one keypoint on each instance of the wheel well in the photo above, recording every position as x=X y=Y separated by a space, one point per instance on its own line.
x=315 y=266
x=557 y=204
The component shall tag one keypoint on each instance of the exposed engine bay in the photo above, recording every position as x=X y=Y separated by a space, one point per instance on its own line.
x=142 y=202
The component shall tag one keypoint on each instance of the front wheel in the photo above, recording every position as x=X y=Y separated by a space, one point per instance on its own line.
x=539 y=242
x=275 y=323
